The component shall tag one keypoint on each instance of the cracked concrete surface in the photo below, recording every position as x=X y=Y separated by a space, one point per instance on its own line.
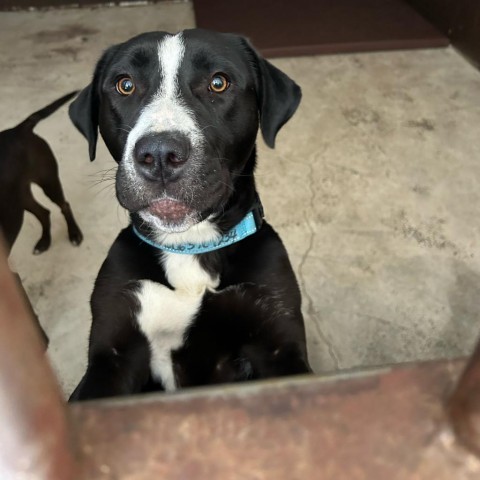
x=374 y=187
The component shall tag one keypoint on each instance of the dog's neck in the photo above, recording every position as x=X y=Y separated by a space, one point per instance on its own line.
x=249 y=225
x=242 y=212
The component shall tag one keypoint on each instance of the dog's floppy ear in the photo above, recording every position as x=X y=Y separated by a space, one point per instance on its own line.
x=83 y=113
x=85 y=109
x=278 y=95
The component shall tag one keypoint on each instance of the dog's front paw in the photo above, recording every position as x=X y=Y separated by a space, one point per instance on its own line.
x=76 y=237
x=42 y=245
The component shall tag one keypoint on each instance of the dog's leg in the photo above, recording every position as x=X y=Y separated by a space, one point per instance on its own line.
x=45 y=175
x=116 y=371
x=74 y=233
x=11 y=220
x=43 y=216
x=55 y=193
x=53 y=190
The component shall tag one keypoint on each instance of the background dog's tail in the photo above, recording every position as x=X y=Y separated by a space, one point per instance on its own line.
x=34 y=118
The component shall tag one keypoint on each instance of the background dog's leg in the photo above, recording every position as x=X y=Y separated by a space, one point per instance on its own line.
x=74 y=233
x=11 y=220
x=53 y=190
x=43 y=216
x=47 y=177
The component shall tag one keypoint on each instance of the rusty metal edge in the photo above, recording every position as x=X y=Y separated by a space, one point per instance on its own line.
x=260 y=424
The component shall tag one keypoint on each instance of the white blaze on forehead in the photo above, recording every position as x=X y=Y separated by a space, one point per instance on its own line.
x=170 y=55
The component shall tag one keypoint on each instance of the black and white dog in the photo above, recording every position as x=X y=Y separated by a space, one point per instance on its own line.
x=198 y=289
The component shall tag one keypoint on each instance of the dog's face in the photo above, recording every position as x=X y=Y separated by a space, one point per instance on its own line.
x=180 y=114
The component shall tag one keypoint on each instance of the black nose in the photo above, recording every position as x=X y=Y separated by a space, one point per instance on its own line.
x=161 y=155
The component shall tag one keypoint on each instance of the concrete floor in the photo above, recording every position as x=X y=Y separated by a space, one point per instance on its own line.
x=374 y=186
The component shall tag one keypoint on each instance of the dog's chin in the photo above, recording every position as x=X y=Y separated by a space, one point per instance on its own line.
x=163 y=225
x=167 y=215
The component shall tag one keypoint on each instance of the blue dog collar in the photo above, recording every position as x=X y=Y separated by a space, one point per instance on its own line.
x=248 y=226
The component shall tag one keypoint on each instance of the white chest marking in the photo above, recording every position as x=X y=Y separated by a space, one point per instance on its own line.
x=166 y=314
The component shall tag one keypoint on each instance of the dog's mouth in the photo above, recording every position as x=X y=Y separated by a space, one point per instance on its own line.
x=169 y=215
x=169 y=210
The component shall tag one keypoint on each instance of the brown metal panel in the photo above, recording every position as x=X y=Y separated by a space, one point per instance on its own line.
x=459 y=20
x=305 y=27
x=386 y=425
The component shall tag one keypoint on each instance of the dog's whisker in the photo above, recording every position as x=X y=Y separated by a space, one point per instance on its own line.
x=120 y=210
x=106 y=187
x=125 y=129
x=104 y=182
x=99 y=181
x=207 y=126
x=228 y=185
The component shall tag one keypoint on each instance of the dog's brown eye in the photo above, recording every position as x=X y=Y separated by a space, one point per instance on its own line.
x=219 y=83
x=125 y=86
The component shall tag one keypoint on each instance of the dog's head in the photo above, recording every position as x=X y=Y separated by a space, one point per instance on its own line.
x=180 y=115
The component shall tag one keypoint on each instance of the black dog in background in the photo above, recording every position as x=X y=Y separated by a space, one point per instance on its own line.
x=198 y=289
x=26 y=158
